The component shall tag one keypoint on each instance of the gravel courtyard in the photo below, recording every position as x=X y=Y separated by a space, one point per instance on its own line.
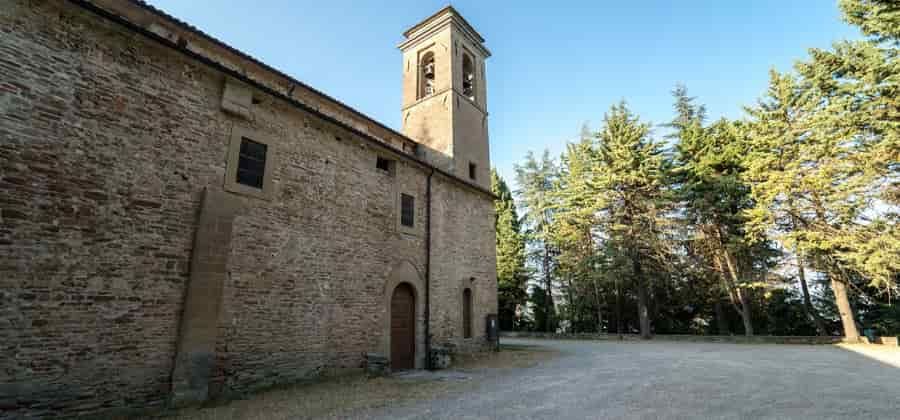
x=656 y=380
x=543 y=379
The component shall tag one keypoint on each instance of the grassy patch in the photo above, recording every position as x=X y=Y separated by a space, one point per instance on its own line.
x=337 y=397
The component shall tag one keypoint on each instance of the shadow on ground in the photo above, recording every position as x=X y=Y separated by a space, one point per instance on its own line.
x=355 y=395
x=550 y=379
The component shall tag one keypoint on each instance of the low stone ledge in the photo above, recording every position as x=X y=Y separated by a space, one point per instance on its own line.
x=735 y=339
x=888 y=341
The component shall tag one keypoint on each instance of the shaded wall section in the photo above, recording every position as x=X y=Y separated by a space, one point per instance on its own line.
x=108 y=142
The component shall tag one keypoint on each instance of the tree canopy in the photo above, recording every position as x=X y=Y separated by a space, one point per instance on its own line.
x=782 y=222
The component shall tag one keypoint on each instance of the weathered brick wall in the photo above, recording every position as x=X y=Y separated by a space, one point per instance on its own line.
x=308 y=269
x=108 y=141
x=463 y=248
x=103 y=144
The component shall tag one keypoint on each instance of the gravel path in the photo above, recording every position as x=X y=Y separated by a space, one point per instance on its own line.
x=654 y=380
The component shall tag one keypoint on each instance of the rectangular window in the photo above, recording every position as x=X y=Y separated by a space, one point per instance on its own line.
x=252 y=159
x=251 y=163
x=472 y=168
x=407 y=210
x=383 y=164
x=467 y=313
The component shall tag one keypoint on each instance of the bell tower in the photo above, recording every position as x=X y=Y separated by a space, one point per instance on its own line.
x=445 y=96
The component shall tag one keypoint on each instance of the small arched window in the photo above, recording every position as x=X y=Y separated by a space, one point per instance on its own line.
x=426 y=75
x=467 y=313
x=468 y=73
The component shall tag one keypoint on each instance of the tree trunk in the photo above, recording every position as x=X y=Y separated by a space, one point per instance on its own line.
x=843 y=305
x=741 y=294
x=811 y=311
x=618 y=309
x=548 y=321
x=573 y=311
x=598 y=300
x=840 y=290
x=599 y=320
x=745 y=313
x=720 y=318
x=643 y=311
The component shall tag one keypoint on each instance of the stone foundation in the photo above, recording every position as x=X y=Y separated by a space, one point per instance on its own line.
x=888 y=341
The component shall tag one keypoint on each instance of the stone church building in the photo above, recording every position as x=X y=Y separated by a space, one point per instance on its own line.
x=179 y=221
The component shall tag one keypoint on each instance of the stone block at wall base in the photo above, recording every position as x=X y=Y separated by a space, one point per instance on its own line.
x=440 y=358
x=377 y=365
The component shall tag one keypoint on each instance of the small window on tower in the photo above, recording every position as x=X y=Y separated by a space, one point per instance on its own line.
x=426 y=75
x=407 y=210
x=385 y=164
x=468 y=73
x=251 y=163
x=472 y=170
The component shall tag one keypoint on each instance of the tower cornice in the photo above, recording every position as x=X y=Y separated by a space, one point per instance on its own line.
x=448 y=16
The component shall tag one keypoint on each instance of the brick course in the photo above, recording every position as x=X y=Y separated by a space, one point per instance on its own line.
x=108 y=141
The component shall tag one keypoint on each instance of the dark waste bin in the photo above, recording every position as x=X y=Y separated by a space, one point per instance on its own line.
x=870 y=334
x=493 y=330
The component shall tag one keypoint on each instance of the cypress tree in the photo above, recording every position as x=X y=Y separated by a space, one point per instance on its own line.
x=511 y=273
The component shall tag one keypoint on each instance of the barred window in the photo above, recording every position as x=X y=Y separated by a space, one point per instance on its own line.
x=407 y=210
x=251 y=163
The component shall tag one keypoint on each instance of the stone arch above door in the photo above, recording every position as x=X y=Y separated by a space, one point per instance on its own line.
x=404 y=272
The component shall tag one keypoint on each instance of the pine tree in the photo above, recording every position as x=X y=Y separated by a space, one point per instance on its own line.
x=633 y=200
x=687 y=113
x=859 y=116
x=511 y=273
x=879 y=19
x=825 y=148
x=536 y=181
x=714 y=196
x=793 y=185
x=775 y=167
x=574 y=233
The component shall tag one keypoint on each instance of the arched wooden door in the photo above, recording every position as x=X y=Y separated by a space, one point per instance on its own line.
x=403 y=328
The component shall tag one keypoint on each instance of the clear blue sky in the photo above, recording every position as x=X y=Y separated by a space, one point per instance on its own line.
x=554 y=65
